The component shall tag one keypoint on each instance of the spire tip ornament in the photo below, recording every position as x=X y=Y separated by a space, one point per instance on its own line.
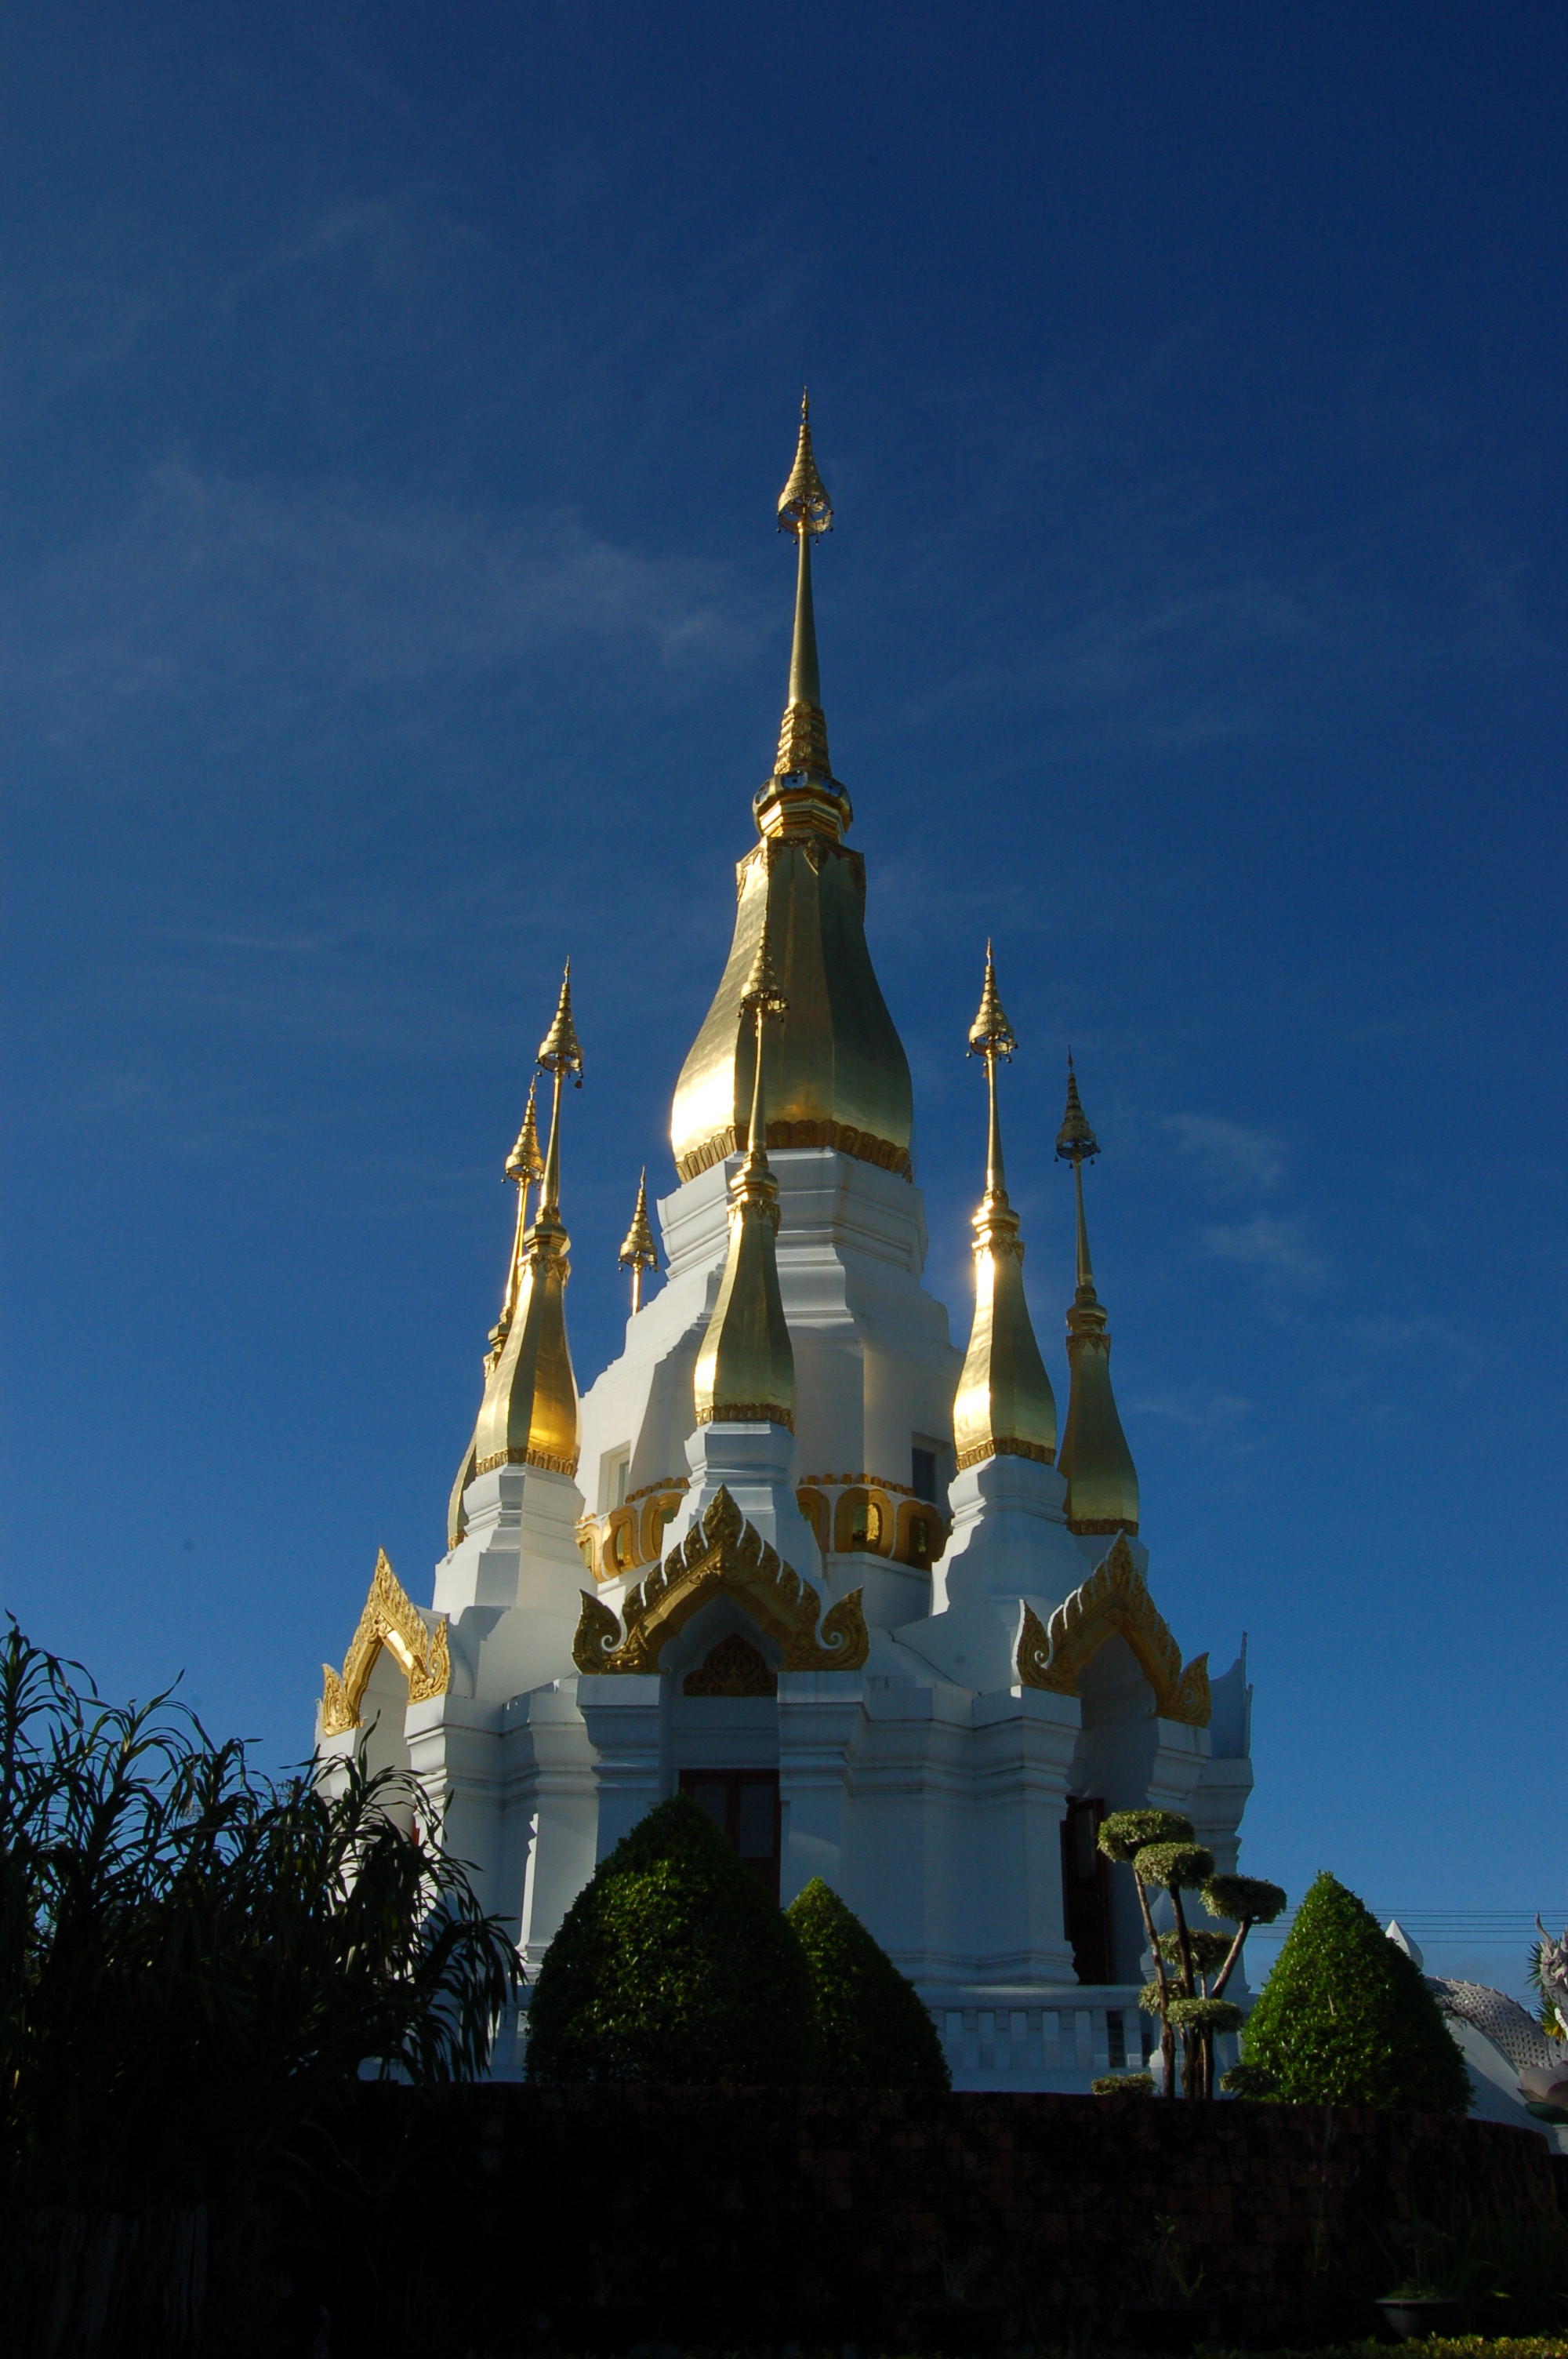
x=802 y=789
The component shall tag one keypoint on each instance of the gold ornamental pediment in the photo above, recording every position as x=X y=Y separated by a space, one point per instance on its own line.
x=722 y=1556
x=390 y=1619
x=1113 y=1602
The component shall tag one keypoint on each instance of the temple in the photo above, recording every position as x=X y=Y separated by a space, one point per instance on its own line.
x=793 y=1551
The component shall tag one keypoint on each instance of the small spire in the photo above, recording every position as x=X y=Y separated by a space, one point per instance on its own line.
x=561 y=1054
x=1004 y=1405
x=1102 y=1482
x=745 y=1369
x=639 y=1252
x=529 y=1414
x=525 y=1164
x=990 y=1037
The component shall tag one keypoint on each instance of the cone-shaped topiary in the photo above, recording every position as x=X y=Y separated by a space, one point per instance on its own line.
x=672 y=1965
x=875 y=2032
x=1346 y=2016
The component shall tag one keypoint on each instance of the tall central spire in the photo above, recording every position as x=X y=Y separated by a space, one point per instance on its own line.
x=1004 y=1405
x=837 y=1076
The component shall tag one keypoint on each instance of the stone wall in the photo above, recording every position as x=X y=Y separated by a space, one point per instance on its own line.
x=761 y=2217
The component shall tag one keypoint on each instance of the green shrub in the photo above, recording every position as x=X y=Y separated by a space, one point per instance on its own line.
x=672 y=1965
x=876 y=2034
x=1346 y=2015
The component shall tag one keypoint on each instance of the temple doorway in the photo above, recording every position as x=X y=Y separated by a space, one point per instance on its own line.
x=1086 y=1891
x=744 y=1803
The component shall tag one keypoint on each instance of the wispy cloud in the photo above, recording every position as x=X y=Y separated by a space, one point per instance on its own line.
x=1229 y=1157
x=1211 y=1419
x=213 y=583
x=1279 y=1250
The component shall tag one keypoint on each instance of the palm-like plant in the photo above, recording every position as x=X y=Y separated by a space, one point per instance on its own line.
x=195 y=1961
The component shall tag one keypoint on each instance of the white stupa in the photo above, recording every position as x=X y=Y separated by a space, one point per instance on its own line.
x=793 y=1551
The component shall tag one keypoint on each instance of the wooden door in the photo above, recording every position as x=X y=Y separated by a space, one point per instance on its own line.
x=1086 y=1891
x=745 y=1804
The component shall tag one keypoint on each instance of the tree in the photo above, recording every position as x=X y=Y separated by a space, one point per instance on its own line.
x=1346 y=2015
x=672 y=1965
x=876 y=2033
x=1192 y=1966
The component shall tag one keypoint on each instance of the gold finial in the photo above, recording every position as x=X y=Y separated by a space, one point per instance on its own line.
x=559 y=1051
x=525 y=1164
x=990 y=1034
x=1004 y=1405
x=1102 y=1481
x=804 y=504
x=745 y=1369
x=1076 y=1142
x=639 y=1252
x=803 y=758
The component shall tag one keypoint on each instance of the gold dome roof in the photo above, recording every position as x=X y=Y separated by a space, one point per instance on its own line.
x=835 y=1071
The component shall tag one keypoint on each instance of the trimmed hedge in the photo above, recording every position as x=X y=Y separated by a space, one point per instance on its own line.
x=1345 y=2016
x=875 y=2032
x=674 y=1966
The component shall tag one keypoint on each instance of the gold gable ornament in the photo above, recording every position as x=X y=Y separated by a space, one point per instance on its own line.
x=723 y=1555
x=390 y=1619
x=1113 y=1602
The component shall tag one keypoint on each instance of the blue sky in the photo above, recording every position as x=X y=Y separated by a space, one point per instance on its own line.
x=395 y=400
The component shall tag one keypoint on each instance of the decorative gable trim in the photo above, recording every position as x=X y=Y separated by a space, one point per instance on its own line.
x=390 y=1619
x=1113 y=1602
x=722 y=1556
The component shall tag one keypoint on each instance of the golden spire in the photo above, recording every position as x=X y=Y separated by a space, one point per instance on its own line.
x=838 y=1078
x=1102 y=1482
x=1004 y=1406
x=802 y=789
x=524 y=1166
x=745 y=1370
x=638 y=1253
x=529 y=1414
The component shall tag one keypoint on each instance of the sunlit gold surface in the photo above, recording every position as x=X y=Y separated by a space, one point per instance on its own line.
x=392 y=1620
x=723 y=1555
x=1113 y=1602
x=837 y=1074
x=745 y=1369
x=529 y=1414
x=1102 y=1482
x=1004 y=1405
x=838 y=1077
